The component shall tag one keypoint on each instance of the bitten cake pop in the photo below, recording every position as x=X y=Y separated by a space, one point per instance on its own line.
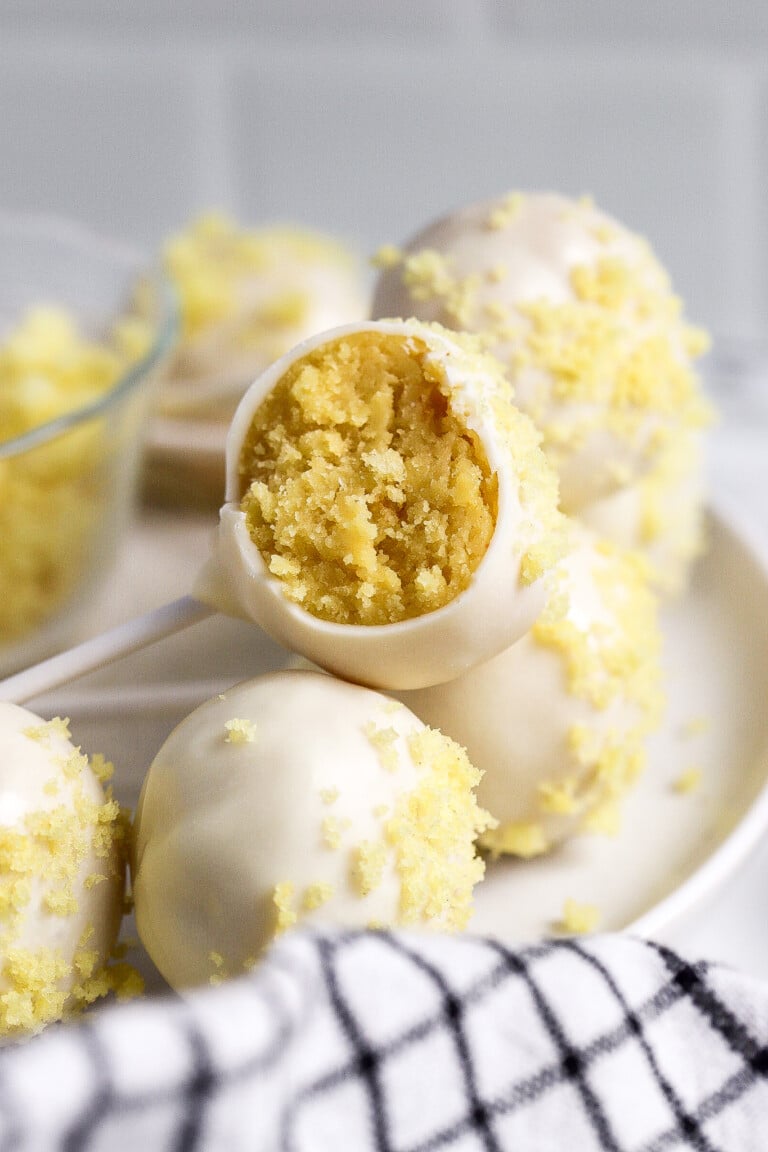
x=61 y=881
x=582 y=317
x=246 y=297
x=292 y=798
x=389 y=513
x=558 y=723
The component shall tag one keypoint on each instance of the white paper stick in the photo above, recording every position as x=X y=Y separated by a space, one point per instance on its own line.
x=103 y=649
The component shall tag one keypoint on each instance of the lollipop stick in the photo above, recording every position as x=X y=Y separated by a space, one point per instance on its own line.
x=104 y=649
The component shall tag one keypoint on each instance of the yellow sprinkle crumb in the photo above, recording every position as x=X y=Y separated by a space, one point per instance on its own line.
x=240 y=731
x=94 y=878
x=61 y=902
x=383 y=740
x=515 y=839
x=387 y=256
x=558 y=798
x=329 y=795
x=688 y=781
x=332 y=829
x=216 y=959
x=41 y=733
x=102 y=768
x=51 y=787
x=367 y=867
x=282 y=898
x=603 y=820
x=578 y=918
x=315 y=895
x=506 y=212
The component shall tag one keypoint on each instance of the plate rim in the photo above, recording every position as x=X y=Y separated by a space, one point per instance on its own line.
x=744 y=838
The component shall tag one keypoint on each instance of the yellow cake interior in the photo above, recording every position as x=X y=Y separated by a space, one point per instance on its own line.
x=364 y=491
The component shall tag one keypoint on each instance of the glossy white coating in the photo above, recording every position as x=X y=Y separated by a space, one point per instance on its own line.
x=221 y=822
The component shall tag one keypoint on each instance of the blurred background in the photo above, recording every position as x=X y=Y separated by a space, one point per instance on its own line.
x=368 y=119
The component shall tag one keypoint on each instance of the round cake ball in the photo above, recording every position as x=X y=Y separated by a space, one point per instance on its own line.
x=660 y=516
x=61 y=881
x=582 y=317
x=389 y=512
x=246 y=297
x=298 y=798
x=558 y=723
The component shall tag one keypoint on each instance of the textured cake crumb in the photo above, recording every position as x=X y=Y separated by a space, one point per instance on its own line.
x=240 y=731
x=365 y=493
x=688 y=781
x=579 y=918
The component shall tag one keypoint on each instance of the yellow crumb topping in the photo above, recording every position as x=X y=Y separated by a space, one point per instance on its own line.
x=283 y=899
x=688 y=781
x=332 y=830
x=240 y=731
x=214 y=261
x=521 y=838
x=365 y=493
x=432 y=833
x=315 y=895
x=579 y=918
x=384 y=741
x=617 y=352
x=617 y=656
x=53 y=497
x=329 y=795
x=603 y=819
x=387 y=256
x=41 y=865
x=367 y=867
x=506 y=211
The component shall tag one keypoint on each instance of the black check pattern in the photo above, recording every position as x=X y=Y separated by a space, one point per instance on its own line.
x=379 y=1042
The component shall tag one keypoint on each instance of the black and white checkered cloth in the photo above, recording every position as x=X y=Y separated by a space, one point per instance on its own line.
x=411 y=1043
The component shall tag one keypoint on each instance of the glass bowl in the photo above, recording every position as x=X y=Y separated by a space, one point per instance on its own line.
x=67 y=483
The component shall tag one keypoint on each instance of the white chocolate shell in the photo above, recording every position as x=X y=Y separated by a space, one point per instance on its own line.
x=291 y=798
x=505 y=593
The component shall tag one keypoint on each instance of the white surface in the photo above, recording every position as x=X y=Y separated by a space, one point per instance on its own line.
x=719 y=665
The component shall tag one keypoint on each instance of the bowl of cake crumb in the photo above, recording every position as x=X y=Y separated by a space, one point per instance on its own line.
x=80 y=350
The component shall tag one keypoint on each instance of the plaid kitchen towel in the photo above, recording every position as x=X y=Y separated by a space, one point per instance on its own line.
x=358 y=1041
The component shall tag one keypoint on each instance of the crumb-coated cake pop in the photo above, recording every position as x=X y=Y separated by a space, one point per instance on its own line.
x=389 y=512
x=299 y=798
x=558 y=723
x=660 y=515
x=246 y=296
x=61 y=880
x=582 y=316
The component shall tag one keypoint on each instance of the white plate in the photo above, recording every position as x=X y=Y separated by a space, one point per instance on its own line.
x=673 y=850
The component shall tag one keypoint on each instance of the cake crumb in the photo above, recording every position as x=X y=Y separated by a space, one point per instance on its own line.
x=240 y=731
x=579 y=919
x=315 y=895
x=515 y=839
x=688 y=781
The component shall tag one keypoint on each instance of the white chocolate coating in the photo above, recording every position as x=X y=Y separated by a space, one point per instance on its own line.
x=59 y=923
x=558 y=722
x=497 y=607
x=236 y=839
x=568 y=300
x=660 y=516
